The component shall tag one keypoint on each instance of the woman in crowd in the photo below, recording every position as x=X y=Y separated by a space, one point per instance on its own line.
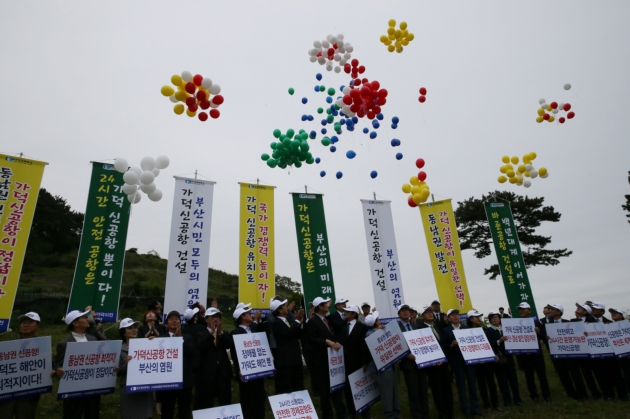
x=151 y=326
x=132 y=405
x=485 y=371
x=505 y=369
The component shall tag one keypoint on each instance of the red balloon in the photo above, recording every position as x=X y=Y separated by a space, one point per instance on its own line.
x=354 y=93
x=411 y=203
x=355 y=62
x=570 y=115
x=205 y=104
x=335 y=46
x=375 y=85
x=423 y=91
x=347 y=100
x=355 y=108
x=371 y=114
x=331 y=51
x=561 y=120
x=422 y=99
x=365 y=81
x=361 y=69
x=420 y=163
x=365 y=91
x=422 y=176
x=553 y=105
x=566 y=107
x=193 y=108
x=202 y=116
x=347 y=68
x=381 y=100
x=354 y=74
x=201 y=95
x=360 y=113
x=190 y=101
x=546 y=116
x=190 y=88
x=197 y=79
x=356 y=82
x=377 y=109
x=217 y=100
x=214 y=113
x=382 y=93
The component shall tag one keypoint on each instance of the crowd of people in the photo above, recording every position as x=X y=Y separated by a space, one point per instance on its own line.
x=297 y=337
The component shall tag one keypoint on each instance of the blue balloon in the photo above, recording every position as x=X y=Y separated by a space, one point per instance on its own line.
x=339 y=175
x=334 y=139
x=351 y=82
x=394 y=126
x=313 y=134
x=355 y=119
x=394 y=142
x=310 y=117
x=304 y=117
x=373 y=134
x=333 y=148
x=342 y=121
x=324 y=130
x=317 y=160
x=335 y=112
x=324 y=122
x=341 y=88
x=395 y=120
x=365 y=130
x=329 y=99
x=379 y=116
x=350 y=128
x=304 y=100
x=350 y=154
x=317 y=88
x=373 y=174
x=399 y=156
x=322 y=173
x=318 y=76
x=375 y=124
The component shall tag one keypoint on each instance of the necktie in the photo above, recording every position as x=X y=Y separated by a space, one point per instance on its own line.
x=326 y=323
x=434 y=333
x=408 y=327
x=287 y=323
x=248 y=330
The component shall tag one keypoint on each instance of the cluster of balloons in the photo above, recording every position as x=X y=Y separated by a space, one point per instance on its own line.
x=363 y=98
x=141 y=178
x=289 y=150
x=197 y=93
x=547 y=112
x=354 y=68
x=417 y=188
x=423 y=95
x=330 y=50
x=396 y=38
x=519 y=174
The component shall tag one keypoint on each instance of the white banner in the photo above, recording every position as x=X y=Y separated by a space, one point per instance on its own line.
x=25 y=366
x=365 y=391
x=232 y=411
x=522 y=338
x=387 y=346
x=156 y=364
x=189 y=245
x=425 y=347
x=383 y=256
x=336 y=369
x=567 y=340
x=90 y=369
x=254 y=356
x=599 y=346
x=619 y=334
x=292 y=405
x=474 y=345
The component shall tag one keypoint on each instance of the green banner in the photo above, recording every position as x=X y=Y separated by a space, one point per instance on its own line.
x=509 y=255
x=310 y=224
x=98 y=274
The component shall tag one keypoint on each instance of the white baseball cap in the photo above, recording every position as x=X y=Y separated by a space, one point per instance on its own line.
x=474 y=313
x=75 y=314
x=412 y=308
x=212 y=311
x=365 y=303
x=30 y=315
x=403 y=306
x=598 y=306
x=242 y=305
x=353 y=309
x=523 y=305
x=425 y=309
x=490 y=314
x=451 y=311
x=340 y=301
x=273 y=306
x=239 y=311
x=585 y=307
x=370 y=319
x=317 y=301
x=615 y=310
x=126 y=322
x=557 y=307
x=189 y=313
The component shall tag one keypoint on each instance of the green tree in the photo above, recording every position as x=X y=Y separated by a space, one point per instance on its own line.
x=627 y=204
x=528 y=213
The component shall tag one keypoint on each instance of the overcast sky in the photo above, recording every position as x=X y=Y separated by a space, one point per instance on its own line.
x=80 y=81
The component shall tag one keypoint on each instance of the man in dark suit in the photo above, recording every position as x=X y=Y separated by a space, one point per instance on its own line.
x=415 y=379
x=321 y=336
x=583 y=314
x=534 y=363
x=86 y=407
x=438 y=315
x=287 y=356
x=503 y=315
x=336 y=319
x=252 y=393
x=214 y=377
x=193 y=324
x=354 y=349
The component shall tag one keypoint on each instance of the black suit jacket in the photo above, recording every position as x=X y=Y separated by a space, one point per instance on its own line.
x=354 y=346
x=61 y=349
x=337 y=322
x=589 y=319
x=191 y=358
x=287 y=352
x=453 y=354
x=405 y=363
x=318 y=333
x=440 y=321
x=213 y=357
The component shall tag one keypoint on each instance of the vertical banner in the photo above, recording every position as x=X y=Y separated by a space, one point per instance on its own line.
x=19 y=189
x=383 y=256
x=310 y=225
x=440 y=229
x=189 y=245
x=509 y=255
x=98 y=274
x=256 y=263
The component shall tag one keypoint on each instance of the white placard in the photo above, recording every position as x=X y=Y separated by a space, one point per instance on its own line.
x=599 y=346
x=254 y=356
x=336 y=369
x=232 y=411
x=293 y=405
x=365 y=391
x=387 y=346
x=156 y=364
x=25 y=366
x=619 y=335
x=567 y=340
x=425 y=347
x=474 y=345
x=189 y=245
x=90 y=369
x=521 y=334
x=383 y=256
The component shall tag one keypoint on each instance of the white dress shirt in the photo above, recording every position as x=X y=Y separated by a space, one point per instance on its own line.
x=79 y=337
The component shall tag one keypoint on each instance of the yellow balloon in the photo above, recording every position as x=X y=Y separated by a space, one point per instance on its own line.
x=404 y=33
x=522 y=168
x=384 y=38
x=415 y=189
x=527 y=174
x=413 y=180
x=403 y=25
x=391 y=31
x=181 y=96
x=389 y=42
x=392 y=22
x=502 y=179
x=551 y=119
x=503 y=169
x=391 y=48
x=515 y=160
x=176 y=80
x=417 y=198
x=167 y=90
x=406 y=188
x=510 y=173
x=425 y=193
x=410 y=37
x=397 y=33
x=532 y=155
x=542 y=171
x=512 y=180
x=399 y=50
x=178 y=109
x=539 y=119
x=422 y=183
x=549 y=108
x=405 y=42
x=505 y=159
x=540 y=111
x=191 y=114
x=526 y=159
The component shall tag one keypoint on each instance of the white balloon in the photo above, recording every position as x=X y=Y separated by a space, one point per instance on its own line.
x=325 y=44
x=346 y=90
x=349 y=48
x=121 y=165
x=341 y=50
x=156 y=195
x=337 y=57
x=135 y=169
x=333 y=40
x=567 y=86
x=147 y=163
x=343 y=61
x=321 y=60
x=186 y=76
x=129 y=189
x=148 y=189
x=317 y=44
x=541 y=101
x=313 y=59
x=156 y=171
x=312 y=52
x=329 y=67
x=173 y=98
x=533 y=173
x=561 y=106
x=347 y=56
x=543 y=106
x=554 y=111
x=206 y=83
x=147 y=177
x=340 y=37
x=339 y=102
x=546 y=175
x=337 y=69
x=162 y=162
x=527 y=183
x=214 y=105
x=134 y=199
x=131 y=177
x=529 y=167
x=340 y=44
x=215 y=89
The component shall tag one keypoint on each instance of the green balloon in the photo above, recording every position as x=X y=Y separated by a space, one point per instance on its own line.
x=291 y=90
x=277 y=133
x=290 y=133
x=326 y=141
x=330 y=118
x=265 y=157
x=337 y=126
x=275 y=154
x=304 y=146
x=337 y=107
x=328 y=111
x=322 y=88
x=320 y=110
x=310 y=160
x=331 y=91
x=273 y=145
x=298 y=164
x=286 y=142
x=271 y=163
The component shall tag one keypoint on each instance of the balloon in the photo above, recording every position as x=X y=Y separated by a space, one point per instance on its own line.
x=541 y=101
x=264 y=156
x=570 y=115
x=542 y=171
x=545 y=176
x=178 y=109
x=420 y=163
x=350 y=154
x=411 y=203
x=156 y=171
x=522 y=168
x=540 y=112
x=155 y=195
x=215 y=89
x=339 y=175
x=373 y=174
x=167 y=91
x=162 y=162
x=186 y=76
x=147 y=177
x=413 y=180
x=304 y=100
x=566 y=107
x=135 y=198
x=533 y=173
x=553 y=105
x=147 y=163
x=422 y=176
x=417 y=198
x=202 y=116
x=121 y=165
x=129 y=189
x=131 y=177
x=291 y=90
x=567 y=86
x=527 y=183
x=148 y=189
x=422 y=99
x=206 y=83
x=176 y=80
x=399 y=156
x=214 y=113
x=510 y=173
x=197 y=79
x=322 y=173
x=423 y=91
x=502 y=179
x=406 y=188
x=561 y=120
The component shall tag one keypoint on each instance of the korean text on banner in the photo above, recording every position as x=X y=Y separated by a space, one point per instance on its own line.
x=231 y=411
x=296 y=405
x=509 y=256
x=522 y=338
x=567 y=340
x=90 y=369
x=189 y=246
x=474 y=345
x=256 y=266
x=425 y=347
x=156 y=364
x=387 y=346
x=312 y=237
x=383 y=255
x=365 y=391
x=254 y=356
x=599 y=346
x=25 y=366
x=20 y=179
x=440 y=229
x=98 y=273
x=619 y=335
x=336 y=369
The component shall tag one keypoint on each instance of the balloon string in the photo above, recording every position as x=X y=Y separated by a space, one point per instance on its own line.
x=576 y=95
x=421 y=113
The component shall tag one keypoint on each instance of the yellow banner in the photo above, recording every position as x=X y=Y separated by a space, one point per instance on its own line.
x=440 y=230
x=256 y=272
x=19 y=189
